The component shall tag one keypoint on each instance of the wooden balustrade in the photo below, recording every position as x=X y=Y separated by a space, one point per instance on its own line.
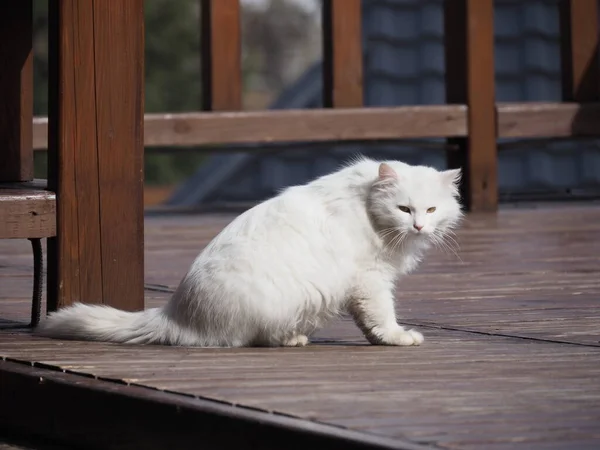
x=26 y=210
x=96 y=129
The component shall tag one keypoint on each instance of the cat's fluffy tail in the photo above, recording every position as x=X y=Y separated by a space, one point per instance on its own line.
x=103 y=323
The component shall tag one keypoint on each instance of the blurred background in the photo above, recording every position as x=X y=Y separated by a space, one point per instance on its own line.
x=281 y=63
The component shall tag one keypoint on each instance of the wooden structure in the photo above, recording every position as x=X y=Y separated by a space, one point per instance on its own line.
x=90 y=209
x=511 y=358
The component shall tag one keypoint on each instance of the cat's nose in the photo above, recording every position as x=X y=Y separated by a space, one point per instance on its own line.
x=418 y=227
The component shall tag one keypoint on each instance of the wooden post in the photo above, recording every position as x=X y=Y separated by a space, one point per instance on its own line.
x=342 y=54
x=469 y=43
x=16 y=91
x=579 y=50
x=221 y=55
x=96 y=113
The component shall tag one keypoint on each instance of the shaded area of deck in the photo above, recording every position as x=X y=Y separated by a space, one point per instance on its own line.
x=511 y=357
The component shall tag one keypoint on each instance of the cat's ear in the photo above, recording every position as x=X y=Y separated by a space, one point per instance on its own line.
x=451 y=178
x=386 y=173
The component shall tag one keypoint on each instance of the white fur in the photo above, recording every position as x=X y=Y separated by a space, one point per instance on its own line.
x=280 y=270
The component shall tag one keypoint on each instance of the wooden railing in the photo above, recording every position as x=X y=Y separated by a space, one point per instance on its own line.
x=96 y=129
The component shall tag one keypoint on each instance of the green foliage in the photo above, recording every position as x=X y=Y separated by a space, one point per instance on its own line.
x=170 y=167
x=173 y=81
x=172 y=70
x=173 y=77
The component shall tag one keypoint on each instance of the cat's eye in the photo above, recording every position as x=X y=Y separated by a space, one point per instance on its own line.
x=405 y=209
x=432 y=209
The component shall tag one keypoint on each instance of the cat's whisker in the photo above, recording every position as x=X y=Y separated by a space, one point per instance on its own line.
x=446 y=232
x=449 y=244
x=450 y=232
x=394 y=242
x=397 y=241
x=437 y=242
x=438 y=239
x=454 y=242
x=388 y=231
x=400 y=242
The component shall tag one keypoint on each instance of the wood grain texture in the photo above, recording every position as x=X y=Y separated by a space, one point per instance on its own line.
x=535 y=120
x=26 y=212
x=73 y=159
x=119 y=84
x=342 y=54
x=40 y=133
x=469 y=46
x=95 y=154
x=310 y=125
x=510 y=360
x=16 y=91
x=579 y=50
x=515 y=120
x=221 y=55
x=353 y=124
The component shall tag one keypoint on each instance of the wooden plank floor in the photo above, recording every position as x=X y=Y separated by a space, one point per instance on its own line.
x=511 y=357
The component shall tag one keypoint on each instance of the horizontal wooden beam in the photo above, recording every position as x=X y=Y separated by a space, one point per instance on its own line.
x=541 y=120
x=26 y=212
x=515 y=120
x=305 y=125
x=40 y=133
x=189 y=129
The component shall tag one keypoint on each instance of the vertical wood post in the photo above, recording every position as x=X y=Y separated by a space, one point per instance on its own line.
x=342 y=54
x=469 y=44
x=221 y=55
x=16 y=91
x=96 y=113
x=579 y=50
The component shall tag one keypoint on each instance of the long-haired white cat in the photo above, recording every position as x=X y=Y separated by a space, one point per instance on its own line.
x=280 y=270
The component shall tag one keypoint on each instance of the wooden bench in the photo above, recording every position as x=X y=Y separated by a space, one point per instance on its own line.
x=28 y=211
x=91 y=207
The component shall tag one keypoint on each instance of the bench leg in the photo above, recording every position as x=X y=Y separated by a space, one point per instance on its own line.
x=38 y=281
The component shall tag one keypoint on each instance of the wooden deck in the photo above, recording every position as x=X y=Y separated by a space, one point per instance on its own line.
x=511 y=358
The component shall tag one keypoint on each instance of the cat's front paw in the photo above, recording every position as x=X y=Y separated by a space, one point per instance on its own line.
x=401 y=337
x=299 y=340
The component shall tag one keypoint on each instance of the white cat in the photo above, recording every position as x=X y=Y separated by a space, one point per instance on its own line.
x=280 y=270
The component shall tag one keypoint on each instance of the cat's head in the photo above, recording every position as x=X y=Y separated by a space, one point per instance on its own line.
x=416 y=202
